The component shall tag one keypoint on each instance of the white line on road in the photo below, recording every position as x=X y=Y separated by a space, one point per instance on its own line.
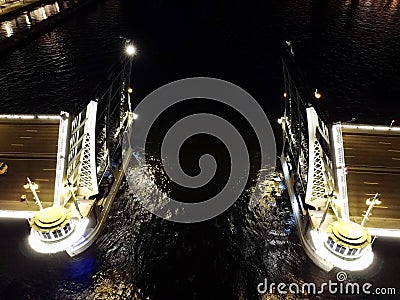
x=49 y=169
x=376 y=173
x=32 y=130
x=377 y=206
x=370 y=194
x=348 y=156
x=41 y=179
x=25 y=137
x=385 y=143
x=349 y=148
x=391 y=150
x=366 y=182
x=395 y=158
x=17 y=145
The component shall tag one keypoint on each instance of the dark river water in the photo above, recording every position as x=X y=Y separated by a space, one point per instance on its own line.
x=350 y=51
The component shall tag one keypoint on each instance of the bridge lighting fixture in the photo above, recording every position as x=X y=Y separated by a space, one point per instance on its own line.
x=317 y=94
x=285 y=94
x=130 y=49
x=31 y=185
x=135 y=116
x=130 y=90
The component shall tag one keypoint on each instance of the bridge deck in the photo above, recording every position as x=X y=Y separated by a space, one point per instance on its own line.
x=29 y=148
x=373 y=161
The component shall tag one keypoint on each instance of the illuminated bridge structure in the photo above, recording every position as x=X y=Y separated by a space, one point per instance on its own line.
x=71 y=162
x=332 y=201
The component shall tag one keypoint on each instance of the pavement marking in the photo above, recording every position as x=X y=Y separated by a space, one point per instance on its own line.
x=25 y=137
x=366 y=182
x=41 y=179
x=17 y=145
x=348 y=148
x=385 y=143
x=377 y=206
x=370 y=194
x=49 y=169
x=349 y=156
x=391 y=150
x=32 y=130
x=395 y=158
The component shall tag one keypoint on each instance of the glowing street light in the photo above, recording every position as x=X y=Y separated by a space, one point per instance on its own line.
x=317 y=94
x=130 y=90
x=130 y=49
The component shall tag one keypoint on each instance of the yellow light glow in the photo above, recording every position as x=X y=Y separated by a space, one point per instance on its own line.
x=61 y=245
x=27 y=20
x=358 y=264
x=8 y=28
x=317 y=94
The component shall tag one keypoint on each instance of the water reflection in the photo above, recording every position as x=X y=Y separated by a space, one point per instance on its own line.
x=28 y=19
x=8 y=28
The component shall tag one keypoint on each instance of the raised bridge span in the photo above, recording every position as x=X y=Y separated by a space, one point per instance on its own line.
x=61 y=171
x=341 y=178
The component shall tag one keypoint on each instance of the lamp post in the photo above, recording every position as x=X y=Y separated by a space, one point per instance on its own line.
x=130 y=51
x=371 y=202
x=33 y=187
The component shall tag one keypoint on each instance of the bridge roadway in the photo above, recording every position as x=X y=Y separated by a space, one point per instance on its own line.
x=29 y=148
x=373 y=161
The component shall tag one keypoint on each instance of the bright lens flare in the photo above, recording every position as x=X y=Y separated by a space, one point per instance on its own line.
x=130 y=50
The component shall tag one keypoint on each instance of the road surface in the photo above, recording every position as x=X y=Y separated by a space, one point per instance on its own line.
x=28 y=150
x=373 y=162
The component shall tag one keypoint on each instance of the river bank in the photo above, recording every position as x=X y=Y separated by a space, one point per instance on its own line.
x=14 y=9
x=47 y=23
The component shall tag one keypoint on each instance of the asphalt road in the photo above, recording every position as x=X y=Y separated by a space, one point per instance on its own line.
x=28 y=150
x=373 y=162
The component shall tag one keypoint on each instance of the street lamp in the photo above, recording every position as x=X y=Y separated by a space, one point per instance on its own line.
x=317 y=94
x=130 y=49
x=371 y=202
x=33 y=187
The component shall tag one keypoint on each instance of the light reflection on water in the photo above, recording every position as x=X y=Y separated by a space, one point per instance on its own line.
x=28 y=19
x=226 y=256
